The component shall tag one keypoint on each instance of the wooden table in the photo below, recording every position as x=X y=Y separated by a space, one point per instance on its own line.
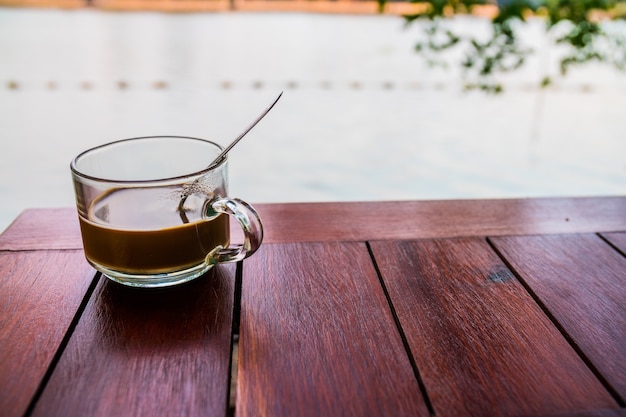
x=451 y=308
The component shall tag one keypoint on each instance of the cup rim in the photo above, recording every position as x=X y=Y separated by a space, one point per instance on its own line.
x=211 y=167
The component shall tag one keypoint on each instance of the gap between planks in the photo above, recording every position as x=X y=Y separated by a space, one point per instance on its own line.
x=70 y=331
x=570 y=340
x=405 y=343
x=234 y=350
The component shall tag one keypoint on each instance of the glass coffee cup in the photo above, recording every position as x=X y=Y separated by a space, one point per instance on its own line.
x=154 y=211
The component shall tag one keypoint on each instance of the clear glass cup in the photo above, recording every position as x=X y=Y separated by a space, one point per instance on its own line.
x=153 y=212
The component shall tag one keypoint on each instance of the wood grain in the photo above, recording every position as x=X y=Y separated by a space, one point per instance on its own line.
x=591 y=413
x=360 y=221
x=581 y=280
x=54 y=228
x=317 y=337
x=482 y=345
x=138 y=352
x=402 y=220
x=40 y=293
x=617 y=239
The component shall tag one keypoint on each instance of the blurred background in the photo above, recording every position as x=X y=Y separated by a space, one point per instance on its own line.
x=363 y=116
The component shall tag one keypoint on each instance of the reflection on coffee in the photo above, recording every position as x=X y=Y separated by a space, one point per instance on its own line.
x=141 y=231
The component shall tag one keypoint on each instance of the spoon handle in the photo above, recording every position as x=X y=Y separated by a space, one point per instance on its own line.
x=242 y=134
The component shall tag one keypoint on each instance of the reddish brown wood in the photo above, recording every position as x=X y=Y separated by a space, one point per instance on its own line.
x=317 y=337
x=153 y=353
x=43 y=229
x=617 y=239
x=591 y=413
x=581 y=280
x=40 y=293
x=358 y=221
x=483 y=346
x=148 y=352
x=300 y=222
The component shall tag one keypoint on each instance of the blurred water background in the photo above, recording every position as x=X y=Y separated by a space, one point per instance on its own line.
x=362 y=116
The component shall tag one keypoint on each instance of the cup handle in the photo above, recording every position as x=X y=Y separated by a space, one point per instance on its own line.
x=250 y=223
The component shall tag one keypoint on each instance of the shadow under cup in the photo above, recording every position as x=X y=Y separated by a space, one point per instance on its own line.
x=154 y=211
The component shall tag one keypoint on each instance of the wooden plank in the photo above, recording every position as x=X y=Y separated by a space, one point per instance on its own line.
x=581 y=281
x=138 y=352
x=317 y=337
x=617 y=239
x=591 y=413
x=43 y=229
x=482 y=345
x=41 y=293
x=359 y=221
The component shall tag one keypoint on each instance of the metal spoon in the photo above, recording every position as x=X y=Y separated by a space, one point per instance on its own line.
x=245 y=132
x=222 y=155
